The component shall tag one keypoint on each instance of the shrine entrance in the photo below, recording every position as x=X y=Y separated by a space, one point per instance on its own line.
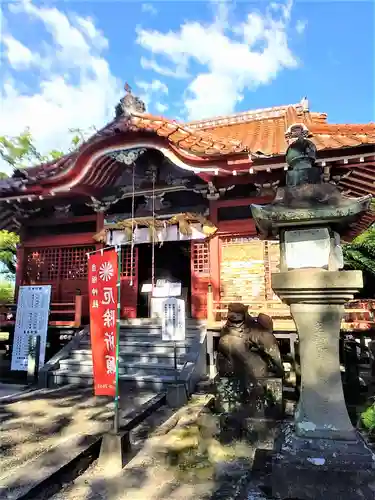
x=172 y=263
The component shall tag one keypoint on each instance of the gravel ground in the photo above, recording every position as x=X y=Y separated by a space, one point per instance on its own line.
x=37 y=423
x=93 y=483
x=147 y=476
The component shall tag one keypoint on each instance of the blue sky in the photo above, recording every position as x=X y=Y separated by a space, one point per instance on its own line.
x=63 y=64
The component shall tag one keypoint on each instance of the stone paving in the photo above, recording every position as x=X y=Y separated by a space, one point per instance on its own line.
x=48 y=420
x=182 y=460
x=11 y=390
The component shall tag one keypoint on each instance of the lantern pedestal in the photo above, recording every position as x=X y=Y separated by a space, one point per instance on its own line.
x=322 y=443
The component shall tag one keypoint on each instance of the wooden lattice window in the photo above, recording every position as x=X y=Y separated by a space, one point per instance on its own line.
x=128 y=262
x=201 y=258
x=73 y=262
x=53 y=264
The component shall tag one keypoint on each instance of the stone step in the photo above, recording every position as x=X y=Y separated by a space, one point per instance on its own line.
x=141 y=369
x=145 y=338
x=161 y=347
x=147 y=382
x=152 y=328
x=128 y=382
x=136 y=356
x=152 y=322
x=74 y=366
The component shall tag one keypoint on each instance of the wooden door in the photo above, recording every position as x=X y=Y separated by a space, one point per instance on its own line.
x=129 y=282
x=200 y=278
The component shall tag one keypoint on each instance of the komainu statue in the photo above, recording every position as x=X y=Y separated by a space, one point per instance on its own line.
x=248 y=357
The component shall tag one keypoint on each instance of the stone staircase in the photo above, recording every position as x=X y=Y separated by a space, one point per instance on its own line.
x=145 y=360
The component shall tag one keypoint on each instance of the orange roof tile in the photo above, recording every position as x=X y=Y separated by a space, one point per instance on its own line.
x=260 y=131
x=264 y=133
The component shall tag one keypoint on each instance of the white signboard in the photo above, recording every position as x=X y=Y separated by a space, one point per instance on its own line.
x=31 y=319
x=173 y=319
x=164 y=288
x=307 y=248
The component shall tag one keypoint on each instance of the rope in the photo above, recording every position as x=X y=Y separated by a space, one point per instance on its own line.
x=153 y=235
x=132 y=242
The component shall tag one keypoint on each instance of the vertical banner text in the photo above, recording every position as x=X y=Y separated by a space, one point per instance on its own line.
x=103 y=275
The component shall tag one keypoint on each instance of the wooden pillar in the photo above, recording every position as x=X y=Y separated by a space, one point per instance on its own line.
x=99 y=227
x=214 y=249
x=20 y=268
x=210 y=306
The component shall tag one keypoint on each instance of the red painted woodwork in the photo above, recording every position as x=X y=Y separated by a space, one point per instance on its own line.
x=61 y=221
x=235 y=227
x=129 y=282
x=200 y=278
x=64 y=268
x=20 y=258
x=59 y=240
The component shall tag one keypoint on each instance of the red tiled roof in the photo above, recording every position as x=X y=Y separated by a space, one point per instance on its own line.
x=258 y=132
x=182 y=136
x=224 y=140
x=263 y=131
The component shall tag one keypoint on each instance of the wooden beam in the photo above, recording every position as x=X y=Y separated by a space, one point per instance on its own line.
x=60 y=240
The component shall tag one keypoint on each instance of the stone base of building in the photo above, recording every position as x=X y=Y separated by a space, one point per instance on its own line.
x=317 y=469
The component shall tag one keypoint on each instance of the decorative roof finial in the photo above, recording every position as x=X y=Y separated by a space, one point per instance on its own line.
x=129 y=104
x=305 y=104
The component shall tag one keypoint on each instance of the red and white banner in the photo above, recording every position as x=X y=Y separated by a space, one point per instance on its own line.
x=103 y=292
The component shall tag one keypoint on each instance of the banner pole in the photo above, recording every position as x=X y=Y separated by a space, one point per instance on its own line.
x=117 y=393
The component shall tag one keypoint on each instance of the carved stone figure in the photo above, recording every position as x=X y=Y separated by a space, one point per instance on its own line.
x=247 y=345
x=129 y=104
x=249 y=367
x=301 y=157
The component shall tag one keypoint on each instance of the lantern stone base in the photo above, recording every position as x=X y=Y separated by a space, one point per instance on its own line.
x=113 y=449
x=317 y=469
x=176 y=395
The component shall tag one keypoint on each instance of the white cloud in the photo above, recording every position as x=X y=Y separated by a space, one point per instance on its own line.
x=18 y=55
x=179 y=71
x=76 y=87
x=301 y=26
x=234 y=57
x=154 y=86
x=152 y=91
x=160 y=107
x=149 y=8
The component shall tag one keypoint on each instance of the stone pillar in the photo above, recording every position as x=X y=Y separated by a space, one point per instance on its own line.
x=321 y=456
x=321 y=411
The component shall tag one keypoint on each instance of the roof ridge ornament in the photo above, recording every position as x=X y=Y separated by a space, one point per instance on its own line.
x=129 y=104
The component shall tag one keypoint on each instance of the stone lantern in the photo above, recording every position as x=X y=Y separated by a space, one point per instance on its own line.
x=308 y=217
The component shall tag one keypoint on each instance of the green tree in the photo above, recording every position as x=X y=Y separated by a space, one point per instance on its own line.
x=360 y=254
x=8 y=251
x=6 y=292
x=21 y=152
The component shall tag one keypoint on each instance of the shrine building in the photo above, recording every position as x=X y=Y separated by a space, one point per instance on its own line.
x=176 y=197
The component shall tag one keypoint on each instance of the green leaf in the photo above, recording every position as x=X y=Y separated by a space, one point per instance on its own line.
x=368 y=418
x=8 y=252
x=6 y=292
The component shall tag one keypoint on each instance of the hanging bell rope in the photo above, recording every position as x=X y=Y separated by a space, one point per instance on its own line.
x=132 y=266
x=153 y=235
